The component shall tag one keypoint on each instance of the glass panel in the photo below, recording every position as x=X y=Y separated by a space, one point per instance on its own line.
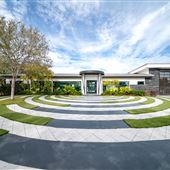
x=164 y=82
x=123 y=83
x=140 y=82
x=91 y=86
x=61 y=84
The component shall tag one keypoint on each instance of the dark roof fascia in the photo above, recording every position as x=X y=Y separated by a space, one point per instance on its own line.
x=92 y=72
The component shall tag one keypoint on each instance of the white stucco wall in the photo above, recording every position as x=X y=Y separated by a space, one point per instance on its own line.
x=67 y=79
x=132 y=81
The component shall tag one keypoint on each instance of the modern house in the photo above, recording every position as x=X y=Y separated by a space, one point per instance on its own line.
x=153 y=77
x=149 y=77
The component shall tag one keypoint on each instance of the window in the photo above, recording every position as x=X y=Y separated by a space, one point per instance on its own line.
x=123 y=83
x=61 y=84
x=140 y=82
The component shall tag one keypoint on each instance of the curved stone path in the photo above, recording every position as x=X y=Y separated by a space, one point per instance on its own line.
x=87 y=117
x=72 y=137
x=86 y=100
x=113 y=103
x=157 y=102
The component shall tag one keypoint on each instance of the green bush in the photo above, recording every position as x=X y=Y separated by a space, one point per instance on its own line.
x=5 y=89
x=123 y=91
x=67 y=90
x=138 y=93
x=59 y=91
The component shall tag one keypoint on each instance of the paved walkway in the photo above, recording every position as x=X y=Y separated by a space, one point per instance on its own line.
x=88 y=116
x=152 y=155
x=85 y=104
x=157 y=102
x=96 y=139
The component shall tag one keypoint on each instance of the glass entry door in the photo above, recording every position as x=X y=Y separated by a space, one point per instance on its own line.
x=91 y=86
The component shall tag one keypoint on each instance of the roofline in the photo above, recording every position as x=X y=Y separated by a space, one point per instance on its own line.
x=144 y=65
x=91 y=72
x=128 y=76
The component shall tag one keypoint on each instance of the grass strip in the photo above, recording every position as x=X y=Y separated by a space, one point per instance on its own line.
x=165 y=105
x=3 y=132
x=24 y=118
x=148 y=101
x=136 y=98
x=49 y=98
x=148 y=123
x=36 y=99
x=18 y=100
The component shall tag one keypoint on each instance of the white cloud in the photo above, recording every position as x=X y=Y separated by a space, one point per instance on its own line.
x=87 y=30
x=149 y=35
x=106 y=39
x=4 y=10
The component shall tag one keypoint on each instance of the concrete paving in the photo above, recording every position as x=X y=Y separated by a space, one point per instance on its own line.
x=84 y=135
x=84 y=139
x=78 y=115
x=149 y=155
x=113 y=103
x=156 y=103
x=103 y=100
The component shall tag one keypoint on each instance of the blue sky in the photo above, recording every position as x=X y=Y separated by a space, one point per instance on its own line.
x=113 y=36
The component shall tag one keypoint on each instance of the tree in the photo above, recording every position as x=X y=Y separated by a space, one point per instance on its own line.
x=20 y=45
x=36 y=71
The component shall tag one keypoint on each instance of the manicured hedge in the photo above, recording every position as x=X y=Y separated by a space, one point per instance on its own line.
x=123 y=91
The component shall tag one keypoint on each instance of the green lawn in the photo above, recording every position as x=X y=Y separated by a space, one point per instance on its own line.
x=136 y=98
x=148 y=123
x=36 y=99
x=18 y=100
x=24 y=118
x=148 y=101
x=165 y=105
x=3 y=132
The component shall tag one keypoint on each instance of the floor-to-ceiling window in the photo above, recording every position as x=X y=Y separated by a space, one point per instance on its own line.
x=164 y=86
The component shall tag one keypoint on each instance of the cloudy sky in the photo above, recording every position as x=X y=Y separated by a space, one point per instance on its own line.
x=113 y=36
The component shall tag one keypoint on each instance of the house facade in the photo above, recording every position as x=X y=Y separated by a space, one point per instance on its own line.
x=153 y=77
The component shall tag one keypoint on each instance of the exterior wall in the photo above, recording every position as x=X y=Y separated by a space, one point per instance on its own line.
x=151 y=84
x=144 y=71
x=132 y=81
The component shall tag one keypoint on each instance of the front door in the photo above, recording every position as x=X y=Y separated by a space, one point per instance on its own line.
x=91 y=86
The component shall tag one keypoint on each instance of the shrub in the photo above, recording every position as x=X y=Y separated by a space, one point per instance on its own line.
x=5 y=89
x=123 y=91
x=67 y=90
x=59 y=91
x=138 y=92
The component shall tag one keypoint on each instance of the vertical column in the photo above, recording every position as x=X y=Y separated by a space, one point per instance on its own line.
x=100 y=84
x=83 y=85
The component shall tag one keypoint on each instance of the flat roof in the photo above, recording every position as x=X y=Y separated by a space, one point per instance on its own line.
x=71 y=75
x=127 y=75
x=91 y=72
x=151 y=65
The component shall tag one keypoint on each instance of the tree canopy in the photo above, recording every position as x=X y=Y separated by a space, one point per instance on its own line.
x=21 y=45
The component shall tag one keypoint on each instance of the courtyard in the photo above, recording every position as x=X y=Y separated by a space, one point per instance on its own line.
x=85 y=132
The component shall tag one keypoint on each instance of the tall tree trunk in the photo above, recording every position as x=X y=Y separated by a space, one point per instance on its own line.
x=13 y=86
x=30 y=82
x=52 y=86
